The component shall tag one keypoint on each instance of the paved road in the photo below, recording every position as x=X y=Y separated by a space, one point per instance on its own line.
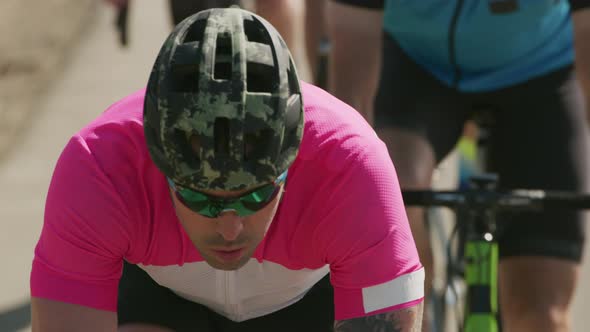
x=97 y=74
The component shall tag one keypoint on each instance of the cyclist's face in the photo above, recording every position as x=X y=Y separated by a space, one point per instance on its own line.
x=228 y=241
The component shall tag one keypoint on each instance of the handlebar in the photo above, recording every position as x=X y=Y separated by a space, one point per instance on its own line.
x=514 y=200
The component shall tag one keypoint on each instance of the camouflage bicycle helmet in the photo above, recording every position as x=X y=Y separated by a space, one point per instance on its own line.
x=223 y=107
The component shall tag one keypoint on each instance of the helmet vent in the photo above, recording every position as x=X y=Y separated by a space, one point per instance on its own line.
x=189 y=146
x=223 y=57
x=196 y=31
x=292 y=77
x=221 y=136
x=255 y=31
x=260 y=77
x=195 y=143
x=292 y=120
x=257 y=144
x=185 y=78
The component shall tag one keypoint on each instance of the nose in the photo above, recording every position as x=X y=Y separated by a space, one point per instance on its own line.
x=229 y=225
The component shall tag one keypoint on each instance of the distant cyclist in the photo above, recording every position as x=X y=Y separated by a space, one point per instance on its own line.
x=280 y=13
x=227 y=196
x=444 y=60
x=181 y=9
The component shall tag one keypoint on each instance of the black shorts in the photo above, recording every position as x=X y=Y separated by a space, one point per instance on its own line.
x=182 y=9
x=142 y=300
x=378 y=4
x=539 y=140
x=368 y=4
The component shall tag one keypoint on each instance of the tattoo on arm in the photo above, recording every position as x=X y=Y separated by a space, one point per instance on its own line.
x=403 y=320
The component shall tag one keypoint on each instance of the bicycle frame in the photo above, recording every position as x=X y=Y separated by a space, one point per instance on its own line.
x=481 y=275
x=481 y=278
x=477 y=208
x=481 y=263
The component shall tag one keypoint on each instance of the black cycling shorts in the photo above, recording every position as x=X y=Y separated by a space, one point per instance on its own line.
x=182 y=9
x=142 y=300
x=368 y=4
x=539 y=140
x=378 y=4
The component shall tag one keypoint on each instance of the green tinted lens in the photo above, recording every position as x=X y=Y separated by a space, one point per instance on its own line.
x=259 y=198
x=193 y=196
x=194 y=200
x=214 y=208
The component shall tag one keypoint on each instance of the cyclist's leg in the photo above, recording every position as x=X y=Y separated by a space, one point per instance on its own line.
x=280 y=13
x=420 y=120
x=182 y=9
x=315 y=31
x=540 y=141
x=355 y=43
x=144 y=305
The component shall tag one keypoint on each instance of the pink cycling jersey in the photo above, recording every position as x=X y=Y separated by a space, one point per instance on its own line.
x=342 y=213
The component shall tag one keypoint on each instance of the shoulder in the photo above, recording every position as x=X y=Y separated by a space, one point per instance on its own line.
x=334 y=131
x=114 y=141
x=104 y=174
x=339 y=149
x=342 y=168
x=120 y=123
x=343 y=179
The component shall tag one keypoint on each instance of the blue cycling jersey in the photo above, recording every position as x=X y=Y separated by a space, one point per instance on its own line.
x=482 y=45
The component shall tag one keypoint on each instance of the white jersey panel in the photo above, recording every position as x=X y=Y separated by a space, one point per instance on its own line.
x=254 y=290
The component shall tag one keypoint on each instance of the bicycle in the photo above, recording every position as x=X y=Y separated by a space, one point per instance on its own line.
x=476 y=209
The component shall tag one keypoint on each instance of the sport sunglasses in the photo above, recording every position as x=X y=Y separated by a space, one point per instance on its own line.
x=244 y=205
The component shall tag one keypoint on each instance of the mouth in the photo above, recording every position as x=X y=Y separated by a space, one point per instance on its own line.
x=229 y=255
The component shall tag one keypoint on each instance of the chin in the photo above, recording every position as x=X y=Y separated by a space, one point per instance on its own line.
x=218 y=264
x=227 y=266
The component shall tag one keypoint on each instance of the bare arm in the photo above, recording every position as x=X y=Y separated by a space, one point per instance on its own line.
x=403 y=320
x=50 y=316
x=581 y=20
